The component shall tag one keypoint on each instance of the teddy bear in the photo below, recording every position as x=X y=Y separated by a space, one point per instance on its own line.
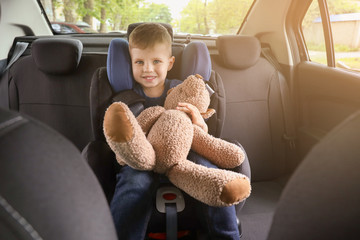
x=160 y=138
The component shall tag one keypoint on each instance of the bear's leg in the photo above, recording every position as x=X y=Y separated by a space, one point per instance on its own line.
x=215 y=187
x=126 y=138
x=222 y=153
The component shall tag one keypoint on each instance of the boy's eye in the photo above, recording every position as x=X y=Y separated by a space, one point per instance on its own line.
x=139 y=62
x=157 y=61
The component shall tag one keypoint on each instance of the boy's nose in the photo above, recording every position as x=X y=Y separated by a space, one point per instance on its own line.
x=148 y=67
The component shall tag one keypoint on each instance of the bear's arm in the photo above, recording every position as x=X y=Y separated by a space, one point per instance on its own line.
x=220 y=152
x=149 y=116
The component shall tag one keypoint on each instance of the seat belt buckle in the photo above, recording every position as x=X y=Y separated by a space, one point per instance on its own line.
x=170 y=200
x=167 y=195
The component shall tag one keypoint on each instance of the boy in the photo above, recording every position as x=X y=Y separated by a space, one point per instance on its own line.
x=131 y=207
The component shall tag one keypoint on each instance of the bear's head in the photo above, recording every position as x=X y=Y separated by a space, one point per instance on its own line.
x=194 y=91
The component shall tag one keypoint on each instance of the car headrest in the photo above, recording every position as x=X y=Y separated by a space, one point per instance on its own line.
x=119 y=65
x=238 y=52
x=132 y=26
x=195 y=59
x=57 y=55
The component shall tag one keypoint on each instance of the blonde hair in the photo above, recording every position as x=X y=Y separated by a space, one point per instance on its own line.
x=147 y=35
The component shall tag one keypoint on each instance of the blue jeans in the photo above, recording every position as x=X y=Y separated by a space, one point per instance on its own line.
x=132 y=205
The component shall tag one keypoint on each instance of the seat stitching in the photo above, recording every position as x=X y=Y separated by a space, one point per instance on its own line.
x=18 y=218
x=11 y=122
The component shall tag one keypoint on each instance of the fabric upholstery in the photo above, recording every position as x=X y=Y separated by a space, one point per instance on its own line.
x=59 y=100
x=321 y=199
x=177 y=52
x=102 y=95
x=254 y=117
x=196 y=60
x=45 y=186
x=107 y=167
x=254 y=111
x=57 y=56
x=119 y=65
x=238 y=52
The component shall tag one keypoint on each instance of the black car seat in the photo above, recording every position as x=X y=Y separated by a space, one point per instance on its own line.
x=52 y=85
x=321 y=199
x=47 y=191
x=190 y=59
x=258 y=115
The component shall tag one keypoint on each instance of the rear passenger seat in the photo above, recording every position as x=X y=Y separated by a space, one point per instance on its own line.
x=53 y=84
x=255 y=118
x=58 y=95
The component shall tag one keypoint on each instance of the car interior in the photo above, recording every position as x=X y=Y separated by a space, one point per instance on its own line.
x=298 y=121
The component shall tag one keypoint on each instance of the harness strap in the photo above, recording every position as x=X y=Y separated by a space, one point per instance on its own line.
x=171 y=221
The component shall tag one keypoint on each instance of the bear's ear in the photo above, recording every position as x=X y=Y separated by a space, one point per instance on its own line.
x=168 y=92
x=208 y=113
x=199 y=76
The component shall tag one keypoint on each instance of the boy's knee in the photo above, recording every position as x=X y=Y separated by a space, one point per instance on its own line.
x=143 y=180
x=198 y=159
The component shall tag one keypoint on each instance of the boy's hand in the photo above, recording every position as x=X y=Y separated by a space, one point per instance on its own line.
x=194 y=114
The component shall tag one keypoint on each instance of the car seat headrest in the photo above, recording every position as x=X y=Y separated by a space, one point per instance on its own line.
x=67 y=54
x=119 y=65
x=132 y=26
x=196 y=60
x=238 y=52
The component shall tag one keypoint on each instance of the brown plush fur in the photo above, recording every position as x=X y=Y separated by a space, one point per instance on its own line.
x=160 y=139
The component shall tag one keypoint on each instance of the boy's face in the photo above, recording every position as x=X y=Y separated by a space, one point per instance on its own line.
x=150 y=67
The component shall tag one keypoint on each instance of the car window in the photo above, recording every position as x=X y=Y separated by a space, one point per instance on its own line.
x=314 y=34
x=345 y=26
x=201 y=17
x=344 y=19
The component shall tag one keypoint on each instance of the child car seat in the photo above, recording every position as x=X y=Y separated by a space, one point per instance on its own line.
x=114 y=83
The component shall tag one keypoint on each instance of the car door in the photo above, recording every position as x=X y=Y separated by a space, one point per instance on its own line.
x=325 y=87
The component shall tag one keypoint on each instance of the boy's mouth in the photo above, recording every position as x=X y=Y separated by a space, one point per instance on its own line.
x=149 y=78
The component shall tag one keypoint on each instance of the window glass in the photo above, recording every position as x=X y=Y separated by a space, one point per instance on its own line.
x=203 y=17
x=345 y=26
x=314 y=34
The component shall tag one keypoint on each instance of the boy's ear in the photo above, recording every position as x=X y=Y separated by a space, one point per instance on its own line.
x=171 y=62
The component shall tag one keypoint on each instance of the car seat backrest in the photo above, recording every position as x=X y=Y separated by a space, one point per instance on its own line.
x=321 y=199
x=253 y=104
x=52 y=85
x=47 y=191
